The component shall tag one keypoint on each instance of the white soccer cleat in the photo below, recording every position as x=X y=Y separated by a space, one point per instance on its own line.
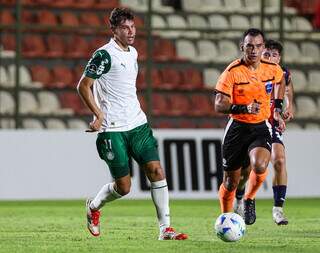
x=93 y=217
x=170 y=234
x=238 y=207
x=278 y=216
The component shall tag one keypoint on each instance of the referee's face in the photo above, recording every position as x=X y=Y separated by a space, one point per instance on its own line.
x=252 y=48
x=125 y=33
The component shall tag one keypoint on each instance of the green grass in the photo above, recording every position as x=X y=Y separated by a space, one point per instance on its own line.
x=131 y=226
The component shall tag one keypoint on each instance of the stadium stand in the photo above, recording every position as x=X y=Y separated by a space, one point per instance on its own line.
x=190 y=49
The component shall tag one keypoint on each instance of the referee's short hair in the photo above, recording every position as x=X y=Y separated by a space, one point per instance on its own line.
x=253 y=32
x=118 y=15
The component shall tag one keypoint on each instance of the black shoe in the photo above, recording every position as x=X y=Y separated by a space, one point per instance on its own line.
x=249 y=211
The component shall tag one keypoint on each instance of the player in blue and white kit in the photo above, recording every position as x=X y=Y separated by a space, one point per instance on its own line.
x=123 y=131
x=272 y=52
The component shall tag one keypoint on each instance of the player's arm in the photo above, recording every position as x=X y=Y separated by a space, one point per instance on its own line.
x=85 y=92
x=288 y=113
x=278 y=100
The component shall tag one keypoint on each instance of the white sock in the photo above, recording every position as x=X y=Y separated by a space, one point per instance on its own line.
x=106 y=194
x=160 y=197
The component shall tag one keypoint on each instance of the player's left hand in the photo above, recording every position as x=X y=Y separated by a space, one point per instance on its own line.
x=280 y=124
x=288 y=114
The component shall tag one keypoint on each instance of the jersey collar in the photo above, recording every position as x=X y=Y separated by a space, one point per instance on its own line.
x=115 y=44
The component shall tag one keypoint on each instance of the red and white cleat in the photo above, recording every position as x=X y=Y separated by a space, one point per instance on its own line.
x=93 y=217
x=170 y=234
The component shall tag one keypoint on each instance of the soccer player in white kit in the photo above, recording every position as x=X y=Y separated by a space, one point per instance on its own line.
x=123 y=131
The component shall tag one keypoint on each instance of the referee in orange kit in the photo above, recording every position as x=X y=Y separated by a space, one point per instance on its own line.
x=244 y=91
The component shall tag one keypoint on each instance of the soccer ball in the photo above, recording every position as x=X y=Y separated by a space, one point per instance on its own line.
x=230 y=227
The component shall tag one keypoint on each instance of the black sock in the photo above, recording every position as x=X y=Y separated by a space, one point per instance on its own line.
x=240 y=193
x=279 y=194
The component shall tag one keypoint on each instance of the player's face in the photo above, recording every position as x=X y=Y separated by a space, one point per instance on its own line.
x=252 y=48
x=125 y=33
x=271 y=55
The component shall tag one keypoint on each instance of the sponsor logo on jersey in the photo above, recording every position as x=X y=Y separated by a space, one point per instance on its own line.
x=92 y=68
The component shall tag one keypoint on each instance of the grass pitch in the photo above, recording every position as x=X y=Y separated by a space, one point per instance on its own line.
x=131 y=226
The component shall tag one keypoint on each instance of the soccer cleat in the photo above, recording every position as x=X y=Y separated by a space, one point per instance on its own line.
x=278 y=216
x=238 y=207
x=170 y=234
x=249 y=211
x=93 y=222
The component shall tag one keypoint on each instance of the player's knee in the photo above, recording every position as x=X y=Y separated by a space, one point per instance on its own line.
x=279 y=164
x=155 y=173
x=123 y=189
x=260 y=165
x=230 y=184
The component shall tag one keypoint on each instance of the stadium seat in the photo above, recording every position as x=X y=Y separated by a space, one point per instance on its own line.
x=106 y=4
x=63 y=3
x=171 y=79
x=175 y=21
x=228 y=51
x=234 y=6
x=239 y=22
x=211 y=76
x=159 y=7
x=292 y=52
x=202 y=6
x=55 y=124
x=32 y=124
x=7 y=123
x=197 y=21
x=27 y=17
x=136 y=5
x=201 y=105
x=141 y=46
x=186 y=123
x=72 y=100
x=301 y=24
x=157 y=21
x=306 y=107
x=46 y=17
x=90 y=19
x=286 y=23
x=62 y=77
x=25 y=76
x=6 y=17
x=164 y=50
x=8 y=41
x=84 y=4
x=218 y=21
x=7 y=103
x=77 y=73
x=28 y=103
x=256 y=22
x=160 y=105
x=4 y=77
x=69 y=19
x=313 y=81
x=81 y=50
x=310 y=50
x=33 y=46
x=191 y=79
x=42 y=74
x=252 y=6
x=55 y=46
x=50 y=104
x=186 y=49
x=203 y=47
x=77 y=124
x=299 y=80
x=179 y=105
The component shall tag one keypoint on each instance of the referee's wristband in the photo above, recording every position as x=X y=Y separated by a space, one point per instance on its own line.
x=278 y=103
x=238 y=109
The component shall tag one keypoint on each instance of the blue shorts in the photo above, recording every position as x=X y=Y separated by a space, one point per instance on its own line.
x=276 y=136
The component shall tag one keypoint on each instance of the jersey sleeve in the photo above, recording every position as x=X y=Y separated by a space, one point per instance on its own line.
x=278 y=74
x=225 y=83
x=100 y=63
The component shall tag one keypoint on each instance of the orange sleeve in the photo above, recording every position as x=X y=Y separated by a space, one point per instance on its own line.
x=225 y=83
x=278 y=74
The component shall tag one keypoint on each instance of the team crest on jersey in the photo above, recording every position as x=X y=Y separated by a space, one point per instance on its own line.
x=268 y=86
x=92 y=68
x=110 y=155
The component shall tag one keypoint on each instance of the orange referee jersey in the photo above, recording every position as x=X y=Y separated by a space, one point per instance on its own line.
x=244 y=85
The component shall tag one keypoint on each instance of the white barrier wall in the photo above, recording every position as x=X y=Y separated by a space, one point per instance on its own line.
x=65 y=165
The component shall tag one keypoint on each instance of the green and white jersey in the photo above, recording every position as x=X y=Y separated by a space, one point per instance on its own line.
x=115 y=72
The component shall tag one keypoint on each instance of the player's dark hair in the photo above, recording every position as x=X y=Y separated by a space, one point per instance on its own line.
x=273 y=44
x=118 y=15
x=253 y=32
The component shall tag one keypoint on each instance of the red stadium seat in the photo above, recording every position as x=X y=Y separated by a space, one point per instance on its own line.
x=192 y=79
x=69 y=19
x=141 y=46
x=62 y=3
x=186 y=124
x=201 y=106
x=77 y=47
x=6 y=18
x=40 y=73
x=62 y=77
x=55 y=45
x=84 y=4
x=33 y=46
x=78 y=71
x=45 y=17
x=8 y=41
x=138 y=21
x=163 y=124
x=179 y=105
x=90 y=19
x=96 y=43
x=164 y=50
x=208 y=124
x=160 y=105
x=106 y=4
x=73 y=101
x=171 y=78
x=27 y=17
